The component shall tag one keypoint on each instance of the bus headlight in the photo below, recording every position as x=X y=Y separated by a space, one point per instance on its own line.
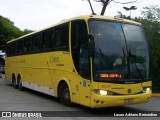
x=147 y=89
x=102 y=92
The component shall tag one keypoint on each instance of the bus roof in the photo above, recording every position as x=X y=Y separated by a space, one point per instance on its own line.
x=84 y=17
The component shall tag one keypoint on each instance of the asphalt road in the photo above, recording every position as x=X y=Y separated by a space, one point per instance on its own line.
x=12 y=99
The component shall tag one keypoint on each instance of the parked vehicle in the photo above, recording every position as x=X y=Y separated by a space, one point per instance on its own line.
x=2 y=63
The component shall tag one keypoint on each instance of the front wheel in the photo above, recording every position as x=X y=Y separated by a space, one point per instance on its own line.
x=64 y=95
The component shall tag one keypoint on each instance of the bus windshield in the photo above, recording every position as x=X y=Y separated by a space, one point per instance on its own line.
x=121 y=52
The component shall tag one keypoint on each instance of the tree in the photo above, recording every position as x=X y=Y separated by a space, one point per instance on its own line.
x=105 y=3
x=26 y=31
x=151 y=13
x=150 y=21
x=8 y=31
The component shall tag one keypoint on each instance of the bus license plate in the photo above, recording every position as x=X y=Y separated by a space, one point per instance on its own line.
x=128 y=100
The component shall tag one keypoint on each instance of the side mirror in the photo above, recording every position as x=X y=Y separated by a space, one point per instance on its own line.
x=91 y=44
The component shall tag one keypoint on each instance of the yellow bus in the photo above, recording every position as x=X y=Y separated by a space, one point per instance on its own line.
x=95 y=61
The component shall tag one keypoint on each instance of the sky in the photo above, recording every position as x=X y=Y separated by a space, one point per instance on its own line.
x=38 y=14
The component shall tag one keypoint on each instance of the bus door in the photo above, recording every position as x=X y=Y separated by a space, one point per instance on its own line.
x=85 y=82
x=80 y=56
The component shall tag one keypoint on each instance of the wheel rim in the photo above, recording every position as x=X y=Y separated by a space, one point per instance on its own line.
x=66 y=94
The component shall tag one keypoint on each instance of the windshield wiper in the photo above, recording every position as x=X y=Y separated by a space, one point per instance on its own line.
x=138 y=70
x=129 y=62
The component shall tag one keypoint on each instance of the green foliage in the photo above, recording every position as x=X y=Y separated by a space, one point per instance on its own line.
x=26 y=31
x=151 y=13
x=151 y=23
x=8 y=31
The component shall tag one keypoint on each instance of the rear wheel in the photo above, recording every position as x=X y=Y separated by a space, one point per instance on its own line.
x=20 y=87
x=64 y=95
x=14 y=83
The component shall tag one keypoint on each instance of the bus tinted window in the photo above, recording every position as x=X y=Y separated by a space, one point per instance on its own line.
x=35 y=43
x=19 y=50
x=61 y=37
x=55 y=38
x=48 y=37
x=80 y=50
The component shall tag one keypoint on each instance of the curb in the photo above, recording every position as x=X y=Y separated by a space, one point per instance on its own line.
x=156 y=94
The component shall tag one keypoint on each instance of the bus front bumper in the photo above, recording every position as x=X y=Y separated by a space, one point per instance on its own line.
x=99 y=101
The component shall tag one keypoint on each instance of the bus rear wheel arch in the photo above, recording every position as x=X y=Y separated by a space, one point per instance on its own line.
x=64 y=94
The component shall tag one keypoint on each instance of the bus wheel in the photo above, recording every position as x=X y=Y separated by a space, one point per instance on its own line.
x=20 y=87
x=14 y=82
x=64 y=95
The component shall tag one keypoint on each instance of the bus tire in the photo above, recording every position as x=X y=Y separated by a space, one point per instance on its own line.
x=20 y=86
x=64 y=95
x=14 y=81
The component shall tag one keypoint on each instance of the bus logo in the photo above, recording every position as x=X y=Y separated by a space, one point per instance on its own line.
x=129 y=91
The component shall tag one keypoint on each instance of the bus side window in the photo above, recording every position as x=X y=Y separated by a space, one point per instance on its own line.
x=19 y=47
x=39 y=37
x=26 y=45
x=44 y=41
x=62 y=37
x=58 y=35
x=49 y=38
x=79 y=46
x=35 y=43
x=14 y=47
x=52 y=32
